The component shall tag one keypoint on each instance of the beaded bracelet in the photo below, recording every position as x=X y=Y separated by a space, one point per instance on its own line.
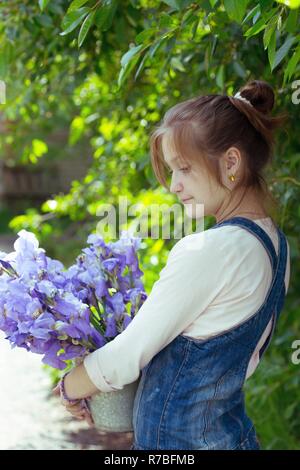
x=63 y=391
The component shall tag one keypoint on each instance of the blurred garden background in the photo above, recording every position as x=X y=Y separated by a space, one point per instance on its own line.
x=85 y=82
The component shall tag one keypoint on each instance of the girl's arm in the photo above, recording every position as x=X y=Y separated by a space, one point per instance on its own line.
x=191 y=279
x=78 y=383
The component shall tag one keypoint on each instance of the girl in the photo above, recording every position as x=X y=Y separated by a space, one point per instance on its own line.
x=211 y=315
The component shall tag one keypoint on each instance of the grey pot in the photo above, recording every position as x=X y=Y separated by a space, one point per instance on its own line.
x=112 y=411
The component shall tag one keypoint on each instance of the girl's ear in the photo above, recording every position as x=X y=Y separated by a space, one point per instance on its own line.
x=232 y=159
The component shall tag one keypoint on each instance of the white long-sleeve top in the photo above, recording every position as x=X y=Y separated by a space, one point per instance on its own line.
x=213 y=280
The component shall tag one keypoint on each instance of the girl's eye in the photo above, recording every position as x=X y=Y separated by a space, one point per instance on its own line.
x=184 y=169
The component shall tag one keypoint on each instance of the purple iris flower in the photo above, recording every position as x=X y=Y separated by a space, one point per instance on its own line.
x=116 y=303
x=18 y=339
x=72 y=351
x=40 y=346
x=97 y=339
x=64 y=314
x=111 y=327
x=110 y=264
x=8 y=267
x=95 y=240
x=47 y=288
x=101 y=288
x=52 y=359
x=8 y=325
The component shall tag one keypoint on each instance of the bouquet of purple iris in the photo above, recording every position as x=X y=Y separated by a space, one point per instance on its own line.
x=67 y=313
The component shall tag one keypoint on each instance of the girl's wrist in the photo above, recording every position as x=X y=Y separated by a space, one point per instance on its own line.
x=63 y=393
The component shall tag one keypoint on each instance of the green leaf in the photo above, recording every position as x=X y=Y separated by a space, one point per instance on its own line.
x=292 y=64
x=165 y=21
x=269 y=31
x=259 y=26
x=125 y=71
x=126 y=58
x=154 y=48
x=39 y=147
x=236 y=9
x=177 y=64
x=76 y=4
x=71 y=20
x=265 y=5
x=43 y=4
x=213 y=2
x=85 y=27
x=76 y=130
x=271 y=49
x=128 y=62
x=6 y=55
x=195 y=29
x=288 y=413
x=105 y=14
x=145 y=35
x=220 y=77
x=290 y=3
x=282 y=51
x=215 y=40
x=44 y=20
x=251 y=13
x=173 y=3
x=188 y=18
x=292 y=21
x=142 y=64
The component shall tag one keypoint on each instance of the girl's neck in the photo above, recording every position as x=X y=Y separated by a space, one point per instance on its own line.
x=249 y=207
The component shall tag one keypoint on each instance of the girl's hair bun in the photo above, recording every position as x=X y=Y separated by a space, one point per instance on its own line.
x=260 y=94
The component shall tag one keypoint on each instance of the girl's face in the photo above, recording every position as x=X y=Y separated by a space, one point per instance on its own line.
x=192 y=185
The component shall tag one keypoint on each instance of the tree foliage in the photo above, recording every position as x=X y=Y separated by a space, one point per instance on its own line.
x=105 y=72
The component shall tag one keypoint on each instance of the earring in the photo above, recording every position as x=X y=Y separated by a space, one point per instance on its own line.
x=231 y=177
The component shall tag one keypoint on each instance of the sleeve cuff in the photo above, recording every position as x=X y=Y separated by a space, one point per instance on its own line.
x=95 y=375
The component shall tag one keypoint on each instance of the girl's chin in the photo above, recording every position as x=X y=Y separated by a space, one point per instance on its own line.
x=188 y=201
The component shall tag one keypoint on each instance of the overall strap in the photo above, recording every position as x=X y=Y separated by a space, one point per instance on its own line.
x=277 y=287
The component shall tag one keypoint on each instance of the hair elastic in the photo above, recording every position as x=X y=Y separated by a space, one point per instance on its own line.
x=240 y=97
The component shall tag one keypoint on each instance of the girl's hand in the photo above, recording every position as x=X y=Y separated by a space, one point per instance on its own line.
x=78 y=410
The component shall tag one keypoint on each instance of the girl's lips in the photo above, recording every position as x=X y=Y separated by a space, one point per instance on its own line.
x=186 y=200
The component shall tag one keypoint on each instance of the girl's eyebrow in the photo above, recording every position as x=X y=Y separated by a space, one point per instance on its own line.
x=172 y=160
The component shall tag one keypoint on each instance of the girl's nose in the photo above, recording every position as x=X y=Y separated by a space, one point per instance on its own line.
x=175 y=186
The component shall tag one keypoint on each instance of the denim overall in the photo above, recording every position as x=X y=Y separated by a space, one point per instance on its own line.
x=190 y=395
